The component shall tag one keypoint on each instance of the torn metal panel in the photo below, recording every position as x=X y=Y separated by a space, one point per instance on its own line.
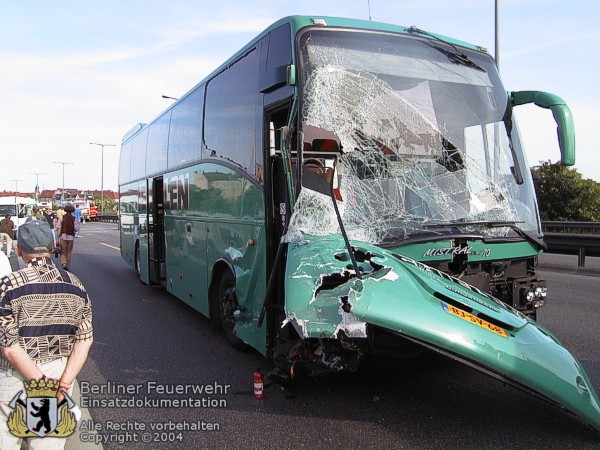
x=350 y=325
x=320 y=287
x=330 y=305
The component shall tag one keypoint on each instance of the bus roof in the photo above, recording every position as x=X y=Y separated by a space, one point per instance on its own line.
x=297 y=23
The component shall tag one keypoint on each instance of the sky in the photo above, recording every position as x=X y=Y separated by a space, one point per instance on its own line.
x=74 y=72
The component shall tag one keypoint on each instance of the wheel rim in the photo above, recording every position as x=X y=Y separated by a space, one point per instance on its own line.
x=228 y=308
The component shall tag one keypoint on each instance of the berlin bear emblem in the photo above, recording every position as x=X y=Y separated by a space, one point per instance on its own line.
x=40 y=413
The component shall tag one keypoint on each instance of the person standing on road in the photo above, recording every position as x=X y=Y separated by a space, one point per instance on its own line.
x=45 y=327
x=66 y=226
x=60 y=212
x=6 y=233
x=37 y=215
x=77 y=214
x=51 y=219
x=57 y=217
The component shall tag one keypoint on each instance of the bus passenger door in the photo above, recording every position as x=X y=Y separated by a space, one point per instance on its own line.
x=156 y=232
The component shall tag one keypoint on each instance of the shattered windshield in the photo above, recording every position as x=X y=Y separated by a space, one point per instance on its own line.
x=421 y=140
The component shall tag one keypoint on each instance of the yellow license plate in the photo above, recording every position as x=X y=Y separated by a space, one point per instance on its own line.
x=474 y=319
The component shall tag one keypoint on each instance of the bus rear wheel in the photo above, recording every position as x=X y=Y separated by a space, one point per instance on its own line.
x=228 y=305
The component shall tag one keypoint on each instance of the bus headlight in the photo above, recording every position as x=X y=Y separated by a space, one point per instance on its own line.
x=534 y=295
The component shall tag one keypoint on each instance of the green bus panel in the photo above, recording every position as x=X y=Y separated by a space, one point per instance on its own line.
x=186 y=261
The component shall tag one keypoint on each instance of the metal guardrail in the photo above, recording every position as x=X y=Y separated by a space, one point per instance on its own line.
x=567 y=227
x=573 y=238
x=107 y=217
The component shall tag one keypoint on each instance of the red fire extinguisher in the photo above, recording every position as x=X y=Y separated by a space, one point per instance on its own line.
x=259 y=384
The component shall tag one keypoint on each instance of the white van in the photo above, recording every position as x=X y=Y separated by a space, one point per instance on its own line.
x=19 y=208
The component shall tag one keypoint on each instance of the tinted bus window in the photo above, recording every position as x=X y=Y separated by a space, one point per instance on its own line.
x=231 y=111
x=186 y=129
x=129 y=197
x=138 y=155
x=276 y=58
x=125 y=163
x=158 y=140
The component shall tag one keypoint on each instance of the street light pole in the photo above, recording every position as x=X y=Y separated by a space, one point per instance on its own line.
x=63 y=170
x=16 y=205
x=16 y=186
x=497 y=34
x=102 y=172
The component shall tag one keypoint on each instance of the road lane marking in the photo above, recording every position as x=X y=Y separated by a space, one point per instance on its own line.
x=111 y=246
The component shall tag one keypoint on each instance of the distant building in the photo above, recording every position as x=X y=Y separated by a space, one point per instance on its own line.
x=60 y=197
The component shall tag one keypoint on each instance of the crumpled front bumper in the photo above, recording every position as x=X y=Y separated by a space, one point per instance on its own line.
x=324 y=297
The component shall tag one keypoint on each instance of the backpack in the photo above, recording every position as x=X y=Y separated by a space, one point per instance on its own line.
x=68 y=225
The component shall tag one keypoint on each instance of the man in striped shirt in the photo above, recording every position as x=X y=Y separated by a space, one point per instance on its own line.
x=45 y=326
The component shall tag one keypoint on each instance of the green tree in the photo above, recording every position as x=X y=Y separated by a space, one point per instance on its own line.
x=564 y=195
x=110 y=205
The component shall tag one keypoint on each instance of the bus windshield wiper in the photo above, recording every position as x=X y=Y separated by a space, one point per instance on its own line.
x=492 y=224
x=456 y=56
x=343 y=229
x=461 y=222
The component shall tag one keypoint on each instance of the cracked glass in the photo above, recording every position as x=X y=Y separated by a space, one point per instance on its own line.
x=424 y=145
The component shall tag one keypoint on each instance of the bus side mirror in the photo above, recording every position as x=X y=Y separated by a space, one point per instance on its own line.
x=291 y=75
x=562 y=116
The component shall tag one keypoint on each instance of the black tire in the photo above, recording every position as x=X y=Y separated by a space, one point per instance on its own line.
x=228 y=304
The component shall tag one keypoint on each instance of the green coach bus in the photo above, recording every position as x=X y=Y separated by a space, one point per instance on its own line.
x=339 y=187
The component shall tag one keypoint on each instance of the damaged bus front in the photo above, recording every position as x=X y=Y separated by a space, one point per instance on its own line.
x=340 y=188
x=414 y=213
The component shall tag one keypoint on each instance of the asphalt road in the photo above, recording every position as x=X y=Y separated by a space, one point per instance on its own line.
x=144 y=336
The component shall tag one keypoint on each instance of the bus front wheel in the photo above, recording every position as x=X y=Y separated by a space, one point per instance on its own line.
x=228 y=305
